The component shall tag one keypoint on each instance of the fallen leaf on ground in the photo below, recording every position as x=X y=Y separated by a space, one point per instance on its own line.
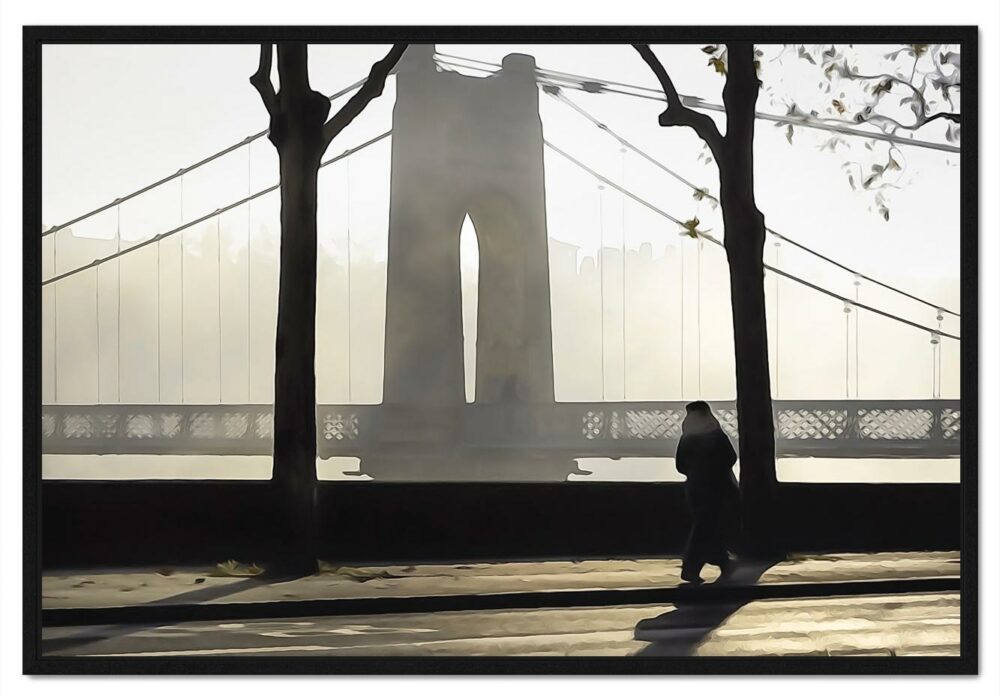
x=235 y=569
x=356 y=574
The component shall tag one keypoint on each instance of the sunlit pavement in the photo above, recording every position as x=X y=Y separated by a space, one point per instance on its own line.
x=877 y=625
x=826 y=621
x=96 y=588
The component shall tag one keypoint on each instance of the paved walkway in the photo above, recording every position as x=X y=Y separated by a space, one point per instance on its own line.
x=174 y=586
x=872 y=625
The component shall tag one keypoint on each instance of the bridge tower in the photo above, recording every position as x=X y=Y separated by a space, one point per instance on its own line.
x=462 y=146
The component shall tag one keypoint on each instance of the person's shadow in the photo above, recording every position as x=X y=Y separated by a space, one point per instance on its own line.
x=679 y=632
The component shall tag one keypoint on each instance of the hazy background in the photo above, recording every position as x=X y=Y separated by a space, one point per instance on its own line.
x=117 y=117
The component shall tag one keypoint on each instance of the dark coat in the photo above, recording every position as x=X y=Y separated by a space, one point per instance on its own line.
x=707 y=460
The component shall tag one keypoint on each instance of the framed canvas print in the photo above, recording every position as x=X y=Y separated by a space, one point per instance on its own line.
x=509 y=349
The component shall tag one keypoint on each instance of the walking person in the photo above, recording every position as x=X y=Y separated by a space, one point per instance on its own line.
x=706 y=457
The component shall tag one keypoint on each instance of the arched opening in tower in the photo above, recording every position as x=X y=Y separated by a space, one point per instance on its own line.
x=468 y=247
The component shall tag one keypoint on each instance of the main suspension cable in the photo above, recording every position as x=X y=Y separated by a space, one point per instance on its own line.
x=169 y=233
x=557 y=94
x=715 y=241
x=185 y=170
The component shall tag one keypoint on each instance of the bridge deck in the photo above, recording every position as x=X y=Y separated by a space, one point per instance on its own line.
x=844 y=429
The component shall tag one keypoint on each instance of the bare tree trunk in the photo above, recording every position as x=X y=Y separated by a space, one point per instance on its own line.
x=301 y=133
x=297 y=135
x=744 y=241
x=294 y=468
x=758 y=481
x=745 y=237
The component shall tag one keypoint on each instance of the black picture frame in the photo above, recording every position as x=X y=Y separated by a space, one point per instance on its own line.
x=35 y=37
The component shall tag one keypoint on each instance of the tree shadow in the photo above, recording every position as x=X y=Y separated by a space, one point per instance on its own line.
x=94 y=634
x=679 y=632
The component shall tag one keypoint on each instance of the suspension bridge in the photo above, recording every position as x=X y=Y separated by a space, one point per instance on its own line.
x=461 y=145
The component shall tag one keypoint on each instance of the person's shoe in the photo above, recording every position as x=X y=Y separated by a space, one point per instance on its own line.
x=691 y=578
x=727 y=568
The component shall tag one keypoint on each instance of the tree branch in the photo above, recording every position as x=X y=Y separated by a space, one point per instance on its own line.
x=371 y=89
x=676 y=113
x=947 y=115
x=921 y=117
x=261 y=80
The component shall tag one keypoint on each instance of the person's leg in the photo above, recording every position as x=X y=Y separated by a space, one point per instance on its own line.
x=716 y=552
x=694 y=554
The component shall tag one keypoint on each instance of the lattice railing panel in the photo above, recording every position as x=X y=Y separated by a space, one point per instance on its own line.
x=802 y=428
x=951 y=423
x=340 y=426
x=895 y=423
x=593 y=425
x=729 y=420
x=812 y=424
x=651 y=424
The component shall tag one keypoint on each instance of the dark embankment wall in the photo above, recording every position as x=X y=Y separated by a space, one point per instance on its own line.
x=155 y=522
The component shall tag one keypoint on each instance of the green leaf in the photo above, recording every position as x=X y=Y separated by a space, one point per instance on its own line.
x=691 y=228
x=710 y=49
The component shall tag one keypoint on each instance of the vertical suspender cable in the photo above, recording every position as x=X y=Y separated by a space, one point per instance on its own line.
x=777 y=320
x=218 y=290
x=350 y=394
x=933 y=368
x=181 y=245
x=55 y=320
x=937 y=370
x=159 y=344
x=118 y=263
x=680 y=249
x=857 y=340
x=249 y=263
x=940 y=317
x=698 y=309
x=97 y=326
x=847 y=350
x=624 y=305
x=936 y=359
x=600 y=260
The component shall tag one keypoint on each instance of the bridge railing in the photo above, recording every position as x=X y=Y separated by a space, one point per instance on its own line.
x=834 y=428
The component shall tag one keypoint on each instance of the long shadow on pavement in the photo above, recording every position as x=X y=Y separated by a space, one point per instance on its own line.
x=96 y=634
x=679 y=632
